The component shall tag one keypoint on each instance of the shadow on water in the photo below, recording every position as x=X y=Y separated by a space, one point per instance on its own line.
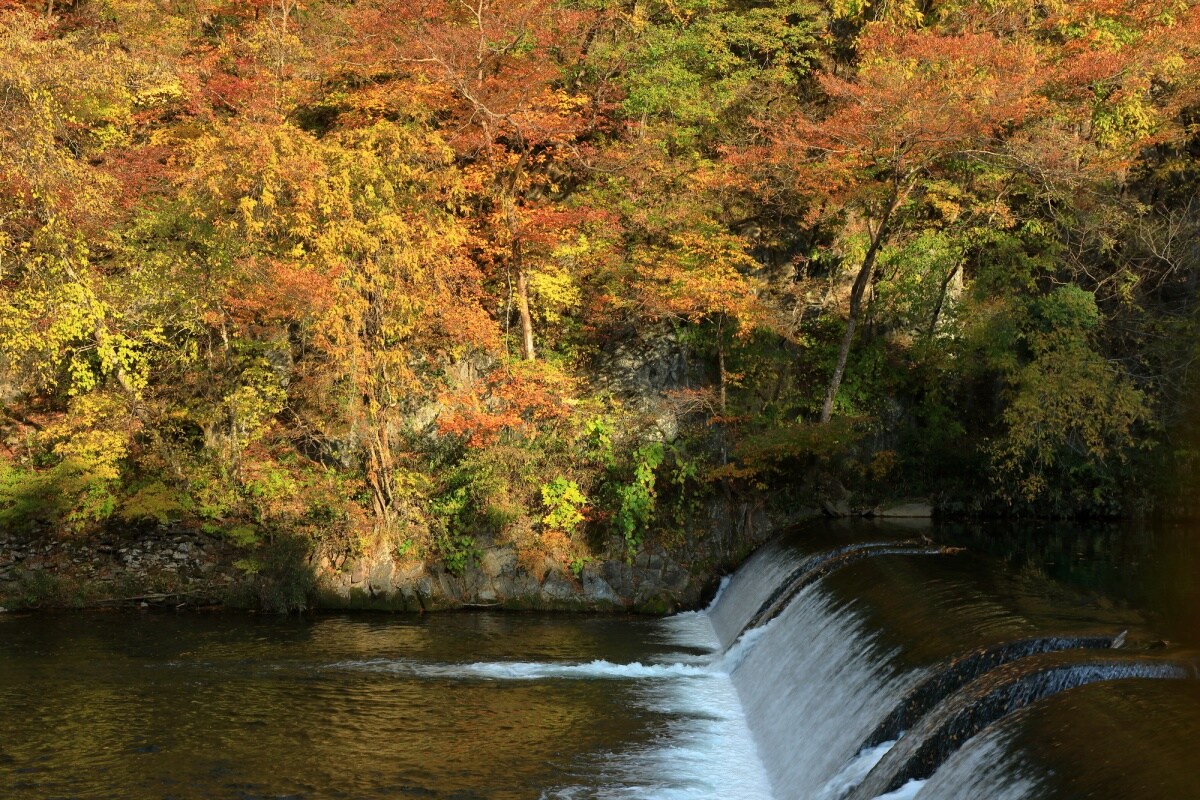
x=1153 y=568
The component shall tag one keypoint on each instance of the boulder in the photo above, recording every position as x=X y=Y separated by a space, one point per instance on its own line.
x=835 y=508
x=496 y=560
x=914 y=510
x=596 y=590
x=558 y=588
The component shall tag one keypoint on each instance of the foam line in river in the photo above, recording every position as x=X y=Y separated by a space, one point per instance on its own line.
x=529 y=670
x=707 y=752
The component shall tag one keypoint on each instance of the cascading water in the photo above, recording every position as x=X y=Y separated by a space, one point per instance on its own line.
x=814 y=686
x=827 y=696
x=962 y=669
x=998 y=693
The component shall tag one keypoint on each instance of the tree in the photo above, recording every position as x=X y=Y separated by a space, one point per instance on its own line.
x=500 y=73
x=920 y=102
x=344 y=243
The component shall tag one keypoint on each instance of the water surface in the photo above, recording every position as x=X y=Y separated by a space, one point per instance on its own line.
x=472 y=705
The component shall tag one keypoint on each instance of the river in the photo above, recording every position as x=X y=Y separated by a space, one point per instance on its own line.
x=732 y=703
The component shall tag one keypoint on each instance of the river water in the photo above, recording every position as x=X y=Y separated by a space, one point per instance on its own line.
x=470 y=705
x=701 y=706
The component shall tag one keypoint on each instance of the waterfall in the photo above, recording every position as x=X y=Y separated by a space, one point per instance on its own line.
x=998 y=693
x=807 y=680
x=959 y=671
x=838 y=713
x=814 y=685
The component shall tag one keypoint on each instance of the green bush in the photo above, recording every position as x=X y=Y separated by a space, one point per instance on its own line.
x=563 y=500
x=636 y=499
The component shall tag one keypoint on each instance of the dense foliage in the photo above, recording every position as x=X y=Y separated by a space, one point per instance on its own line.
x=553 y=271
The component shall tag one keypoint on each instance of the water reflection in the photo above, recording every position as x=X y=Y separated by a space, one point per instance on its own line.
x=1151 y=568
x=104 y=705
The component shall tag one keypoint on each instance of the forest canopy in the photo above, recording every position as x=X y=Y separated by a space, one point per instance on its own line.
x=564 y=271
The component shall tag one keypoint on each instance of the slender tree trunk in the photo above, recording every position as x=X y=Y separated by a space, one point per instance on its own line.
x=721 y=362
x=721 y=369
x=527 y=350
x=861 y=281
x=379 y=470
x=937 y=309
x=518 y=266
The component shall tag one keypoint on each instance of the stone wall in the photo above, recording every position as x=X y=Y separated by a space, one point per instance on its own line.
x=180 y=567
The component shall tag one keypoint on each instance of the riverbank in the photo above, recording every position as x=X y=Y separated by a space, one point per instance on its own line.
x=190 y=570
x=186 y=568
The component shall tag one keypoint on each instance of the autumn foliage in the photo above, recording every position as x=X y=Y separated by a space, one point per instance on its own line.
x=443 y=270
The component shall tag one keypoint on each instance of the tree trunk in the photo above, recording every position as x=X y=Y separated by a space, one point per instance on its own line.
x=856 y=294
x=527 y=350
x=721 y=362
x=937 y=309
x=380 y=467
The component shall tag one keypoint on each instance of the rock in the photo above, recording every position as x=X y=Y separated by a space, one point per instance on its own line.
x=910 y=510
x=838 y=508
x=517 y=585
x=448 y=589
x=596 y=590
x=496 y=560
x=557 y=587
x=619 y=576
x=675 y=579
x=382 y=578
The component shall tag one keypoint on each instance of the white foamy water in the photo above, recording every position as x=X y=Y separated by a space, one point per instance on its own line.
x=528 y=670
x=690 y=629
x=985 y=768
x=853 y=773
x=816 y=686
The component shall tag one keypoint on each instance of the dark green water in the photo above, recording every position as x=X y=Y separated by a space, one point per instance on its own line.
x=152 y=705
